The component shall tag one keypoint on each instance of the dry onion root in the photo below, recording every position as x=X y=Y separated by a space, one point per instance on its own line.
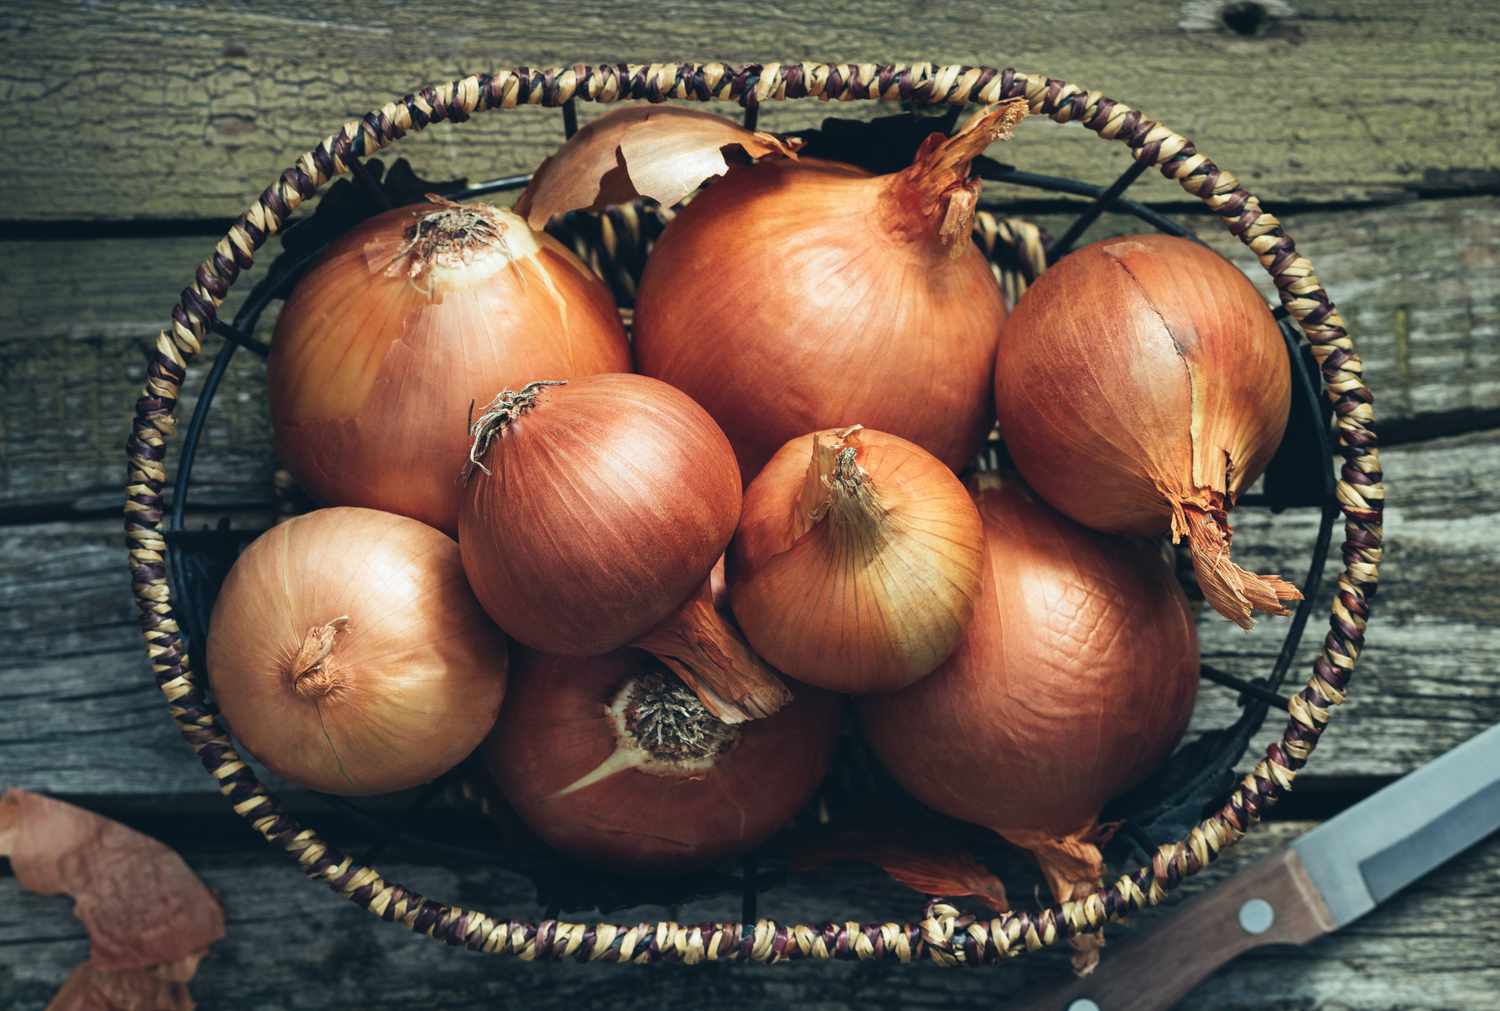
x=595 y=512
x=348 y=654
x=406 y=321
x=1074 y=681
x=613 y=760
x=794 y=296
x=857 y=561
x=1142 y=384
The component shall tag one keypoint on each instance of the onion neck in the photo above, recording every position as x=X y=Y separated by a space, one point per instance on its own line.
x=1234 y=592
x=701 y=646
x=661 y=728
x=498 y=416
x=838 y=493
x=936 y=197
x=315 y=671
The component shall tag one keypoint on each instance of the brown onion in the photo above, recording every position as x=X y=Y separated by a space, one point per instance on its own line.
x=614 y=761
x=793 y=296
x=347 y=653
x=403 y=324
x=663 y=152
x=857 y=561
x=595 y=511
x=1142 y=384
x=1075 y=680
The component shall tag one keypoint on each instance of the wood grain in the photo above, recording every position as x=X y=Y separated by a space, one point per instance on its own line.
x=185 y=110
x=292 y=945
x=1156 y=968
x=1419 y=285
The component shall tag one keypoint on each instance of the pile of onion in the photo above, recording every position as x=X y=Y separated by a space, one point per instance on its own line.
x=594 y=514
x=1142 y=384
x=794 y=295
x=403 y=324
x=857 y=560
x=612 y=760
x=348 y=654
x=1073 y=682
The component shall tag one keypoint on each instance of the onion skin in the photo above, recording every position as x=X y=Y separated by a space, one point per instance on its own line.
x=378 y=354
x=1075 y=679
x=857 y=561
x=411 y=672
x=1142 y=384
x=606 y=505
x=555 y=731
x=663 y=152
x=793 y=296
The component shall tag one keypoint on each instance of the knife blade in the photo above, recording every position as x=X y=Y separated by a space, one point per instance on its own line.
x=1324 y=880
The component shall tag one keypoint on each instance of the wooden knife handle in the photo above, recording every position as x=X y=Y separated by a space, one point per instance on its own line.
x=1157 y=967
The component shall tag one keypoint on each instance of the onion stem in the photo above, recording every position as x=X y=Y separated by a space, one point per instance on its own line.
x=313 y=675
x=507 y=406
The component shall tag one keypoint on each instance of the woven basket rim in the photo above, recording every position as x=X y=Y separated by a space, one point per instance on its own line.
x=944 y=935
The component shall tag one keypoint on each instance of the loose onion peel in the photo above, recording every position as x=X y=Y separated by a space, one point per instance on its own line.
x=663 y=152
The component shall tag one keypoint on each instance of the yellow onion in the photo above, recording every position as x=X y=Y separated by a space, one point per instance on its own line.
x=347 y=653
x=1075 y=680
x=856 y=564
x=663 y=152
x=798 y=295
x=595 y=512
x=613 y=760
x=1142 y=384
x=406 y=322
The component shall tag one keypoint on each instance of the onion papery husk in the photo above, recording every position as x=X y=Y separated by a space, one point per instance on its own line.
x=1142 y=385
x=795 y=296
x=595 y=515
x=404 y=323
x=1074 y=681
x=662 y=152
x=615 y=762
x=348 y=654
x=857 y=561
x=704 y=648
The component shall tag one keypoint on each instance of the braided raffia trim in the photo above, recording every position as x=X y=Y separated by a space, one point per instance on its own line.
x=944 y=935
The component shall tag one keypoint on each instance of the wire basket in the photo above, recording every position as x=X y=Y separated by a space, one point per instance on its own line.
x=177 y=571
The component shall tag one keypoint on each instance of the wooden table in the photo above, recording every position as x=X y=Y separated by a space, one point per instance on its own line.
x=135 y=130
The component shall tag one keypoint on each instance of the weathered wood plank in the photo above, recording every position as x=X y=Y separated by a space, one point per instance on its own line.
x=292 y=944
x=80 y=715
x=1419 y=285
x=141 y=110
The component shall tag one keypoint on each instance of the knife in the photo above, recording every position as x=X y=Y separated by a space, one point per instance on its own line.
x=1328 y=878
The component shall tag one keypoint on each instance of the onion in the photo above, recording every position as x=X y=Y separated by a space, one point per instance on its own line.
x=347 y=653
x=405 y=322
x=663 y=152
x=614 y=761
x=857 y=561
x=1142 y=384
x=602 y=506
x=793 y=296
x=1075 y=679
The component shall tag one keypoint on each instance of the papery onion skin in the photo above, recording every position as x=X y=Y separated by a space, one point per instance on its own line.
x=662 y=152
x=856 y=565
x=414 y=671
x=793 y=296
x=1142 y=384
x=608 y=501
x=555 y=731
x=383 y=346
x=1074 y=681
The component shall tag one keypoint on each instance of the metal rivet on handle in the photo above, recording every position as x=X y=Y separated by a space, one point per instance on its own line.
x=1256 y=916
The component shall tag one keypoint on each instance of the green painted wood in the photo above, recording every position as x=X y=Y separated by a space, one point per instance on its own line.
x=138 y=110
